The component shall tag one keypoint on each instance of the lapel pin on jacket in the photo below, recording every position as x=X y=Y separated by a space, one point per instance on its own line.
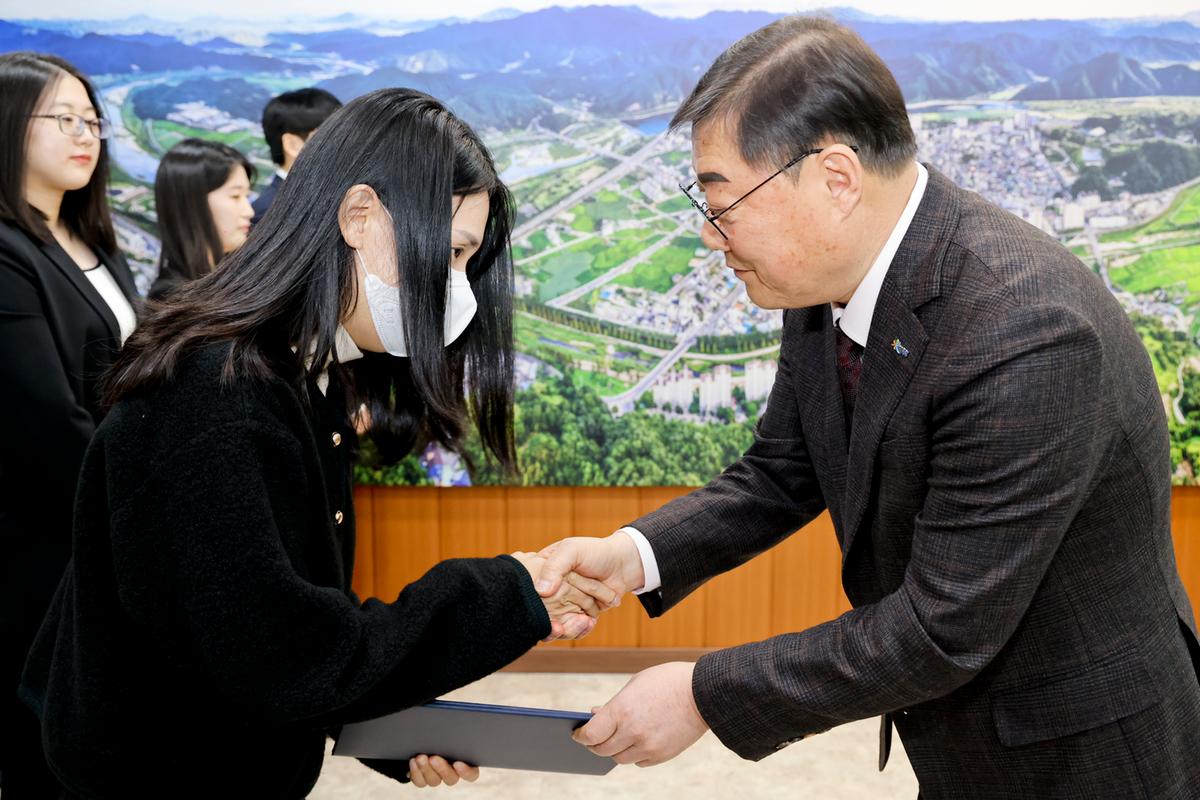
x=900 y=349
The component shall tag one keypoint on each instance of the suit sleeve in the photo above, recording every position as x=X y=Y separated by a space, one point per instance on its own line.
x=1014 y=454
x=763 y=497
x=35 y=387
x=284 y=650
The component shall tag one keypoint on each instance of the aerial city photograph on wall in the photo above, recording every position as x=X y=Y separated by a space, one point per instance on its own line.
x=641 y=360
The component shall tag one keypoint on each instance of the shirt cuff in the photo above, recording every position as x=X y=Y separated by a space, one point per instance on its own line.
x=649 y=564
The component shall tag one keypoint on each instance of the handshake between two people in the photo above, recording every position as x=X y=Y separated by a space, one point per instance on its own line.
x=581 y=577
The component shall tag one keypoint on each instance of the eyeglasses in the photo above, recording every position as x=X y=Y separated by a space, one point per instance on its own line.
x=703 y=208
x=73 y=124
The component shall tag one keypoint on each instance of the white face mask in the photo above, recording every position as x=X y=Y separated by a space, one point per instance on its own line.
x=383 y=301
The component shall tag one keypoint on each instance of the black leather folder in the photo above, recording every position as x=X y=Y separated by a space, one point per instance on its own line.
x=508 y=737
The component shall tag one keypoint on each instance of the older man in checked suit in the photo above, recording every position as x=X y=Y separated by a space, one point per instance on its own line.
x=981 y=420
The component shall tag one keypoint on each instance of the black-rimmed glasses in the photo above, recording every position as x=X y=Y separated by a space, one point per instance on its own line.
x=703 y=208
x=73 y=124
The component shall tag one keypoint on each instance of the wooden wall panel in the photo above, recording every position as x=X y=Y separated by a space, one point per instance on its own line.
x=474 y=522
x=739 y=604
x=806 y=586
x=537 y=517
x=1185 y=524
x=403 y=532
x=683 y=625
x=407 y=531
x=599 y=512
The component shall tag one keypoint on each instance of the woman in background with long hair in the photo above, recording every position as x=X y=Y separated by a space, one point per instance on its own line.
x=202 y=199
x=67 y=301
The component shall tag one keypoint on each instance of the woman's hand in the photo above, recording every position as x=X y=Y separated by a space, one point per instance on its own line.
x=574 y=607
x=434 y=771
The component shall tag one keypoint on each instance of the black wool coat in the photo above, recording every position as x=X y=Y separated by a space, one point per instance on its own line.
x=205 y=635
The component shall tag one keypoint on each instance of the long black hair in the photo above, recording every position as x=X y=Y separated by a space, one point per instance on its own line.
x=25 y=78
x=293 y=281
x=186 y=174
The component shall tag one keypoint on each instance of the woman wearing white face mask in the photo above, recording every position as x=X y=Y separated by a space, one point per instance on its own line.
x=383 y=300
x=205 y=635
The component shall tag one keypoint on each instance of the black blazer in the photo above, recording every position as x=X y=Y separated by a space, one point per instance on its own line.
x=205 y=634
x=265 y=198
x=164 y=284
x=57 y=336
x=1003 y=509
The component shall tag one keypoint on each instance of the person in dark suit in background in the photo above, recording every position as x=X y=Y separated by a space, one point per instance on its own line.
x=288 y=120
x=982 y=421
x=202 y=199
x=67 y=301
x=205 y=634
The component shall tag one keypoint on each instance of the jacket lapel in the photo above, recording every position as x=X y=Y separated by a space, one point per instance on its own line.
x=819 y=400
x=896 y=342
x=74 y=275
x=885 y=377
x=119 y=268
x=834 y=426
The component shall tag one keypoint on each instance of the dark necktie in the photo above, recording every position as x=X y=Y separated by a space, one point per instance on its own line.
x=849 y=363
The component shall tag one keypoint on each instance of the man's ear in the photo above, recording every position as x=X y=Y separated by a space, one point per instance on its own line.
x=292 y=143
x=356 y=207
x=842 y=176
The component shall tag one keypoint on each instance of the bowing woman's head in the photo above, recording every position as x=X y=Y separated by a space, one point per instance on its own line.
x=53 y=151
x=202 y=199
x=393 y=224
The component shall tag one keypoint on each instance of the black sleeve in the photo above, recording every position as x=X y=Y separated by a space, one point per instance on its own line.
x=163 y=286
x=212 y=529
x=46 y=430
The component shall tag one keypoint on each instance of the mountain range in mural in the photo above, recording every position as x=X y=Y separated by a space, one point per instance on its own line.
x=512 y=68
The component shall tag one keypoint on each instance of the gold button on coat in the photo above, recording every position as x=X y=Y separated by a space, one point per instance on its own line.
x=337 y=439
x=338 y=517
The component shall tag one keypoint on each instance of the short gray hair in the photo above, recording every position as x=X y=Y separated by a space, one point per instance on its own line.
x=787 y=86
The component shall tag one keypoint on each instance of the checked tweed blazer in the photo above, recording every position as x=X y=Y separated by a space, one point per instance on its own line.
x=1003 y=509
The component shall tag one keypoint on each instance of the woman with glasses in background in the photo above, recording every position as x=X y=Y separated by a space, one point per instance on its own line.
x=67 y=302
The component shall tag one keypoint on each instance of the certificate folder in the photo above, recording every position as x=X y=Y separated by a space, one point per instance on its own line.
x=484 y=735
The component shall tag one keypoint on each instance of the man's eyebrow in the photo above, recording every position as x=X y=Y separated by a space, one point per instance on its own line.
x=711 y=177
x=471 y=240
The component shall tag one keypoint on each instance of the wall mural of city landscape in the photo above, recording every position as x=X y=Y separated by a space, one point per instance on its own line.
x=641 y=360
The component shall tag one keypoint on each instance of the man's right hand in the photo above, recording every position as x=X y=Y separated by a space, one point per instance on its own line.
x=613 y=560
x=573 y=608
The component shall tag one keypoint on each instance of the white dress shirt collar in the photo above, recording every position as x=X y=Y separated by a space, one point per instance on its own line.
x=855 y=317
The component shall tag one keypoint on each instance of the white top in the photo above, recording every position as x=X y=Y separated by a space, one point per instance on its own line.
x=103 y=280
x=346 y=350
x=854 y=319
